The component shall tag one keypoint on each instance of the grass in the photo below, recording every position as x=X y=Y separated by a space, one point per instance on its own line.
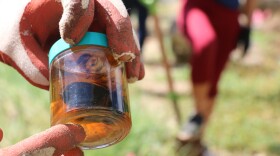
x=23 y=108
x=246 y=117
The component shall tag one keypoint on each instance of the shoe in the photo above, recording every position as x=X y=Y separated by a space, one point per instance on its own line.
x=192 y=129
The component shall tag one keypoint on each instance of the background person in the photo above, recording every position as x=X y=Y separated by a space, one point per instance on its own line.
x=213 y=30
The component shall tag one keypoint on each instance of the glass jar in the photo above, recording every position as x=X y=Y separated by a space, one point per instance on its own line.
x=88 y=87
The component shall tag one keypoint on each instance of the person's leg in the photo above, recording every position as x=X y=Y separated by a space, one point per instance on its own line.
x=203 y=103
x=212 y=38
x=205 y=31
x=142 y=16
x=204 y=43
x=227 y=32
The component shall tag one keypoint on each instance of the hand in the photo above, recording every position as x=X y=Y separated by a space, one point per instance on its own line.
x=29 y=28
x=55 y=141
x=244 y=38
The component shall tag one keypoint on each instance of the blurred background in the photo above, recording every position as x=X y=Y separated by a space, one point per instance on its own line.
x=246 y=120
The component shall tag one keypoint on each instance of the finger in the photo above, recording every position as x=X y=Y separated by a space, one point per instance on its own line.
x=134 y=70
x=121 y=37
x=142 y=72
x=54 y=141
x=74 y=152
x=1 y=134
x=76 y=18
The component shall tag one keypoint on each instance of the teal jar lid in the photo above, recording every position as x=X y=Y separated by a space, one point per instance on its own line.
x=90 y=38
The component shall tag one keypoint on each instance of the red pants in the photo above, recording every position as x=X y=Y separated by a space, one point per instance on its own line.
x=212 y=30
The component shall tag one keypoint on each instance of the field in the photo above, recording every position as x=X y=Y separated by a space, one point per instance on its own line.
x=245 y=120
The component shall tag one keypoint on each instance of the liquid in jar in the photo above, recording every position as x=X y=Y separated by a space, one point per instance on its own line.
x=88 y=87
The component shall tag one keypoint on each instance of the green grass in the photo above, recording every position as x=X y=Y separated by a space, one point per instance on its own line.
x=24 y=109
x=246 y=117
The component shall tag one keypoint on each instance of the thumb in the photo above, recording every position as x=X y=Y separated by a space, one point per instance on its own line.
x=76 y=19
x=54 y=141
x=122 y=40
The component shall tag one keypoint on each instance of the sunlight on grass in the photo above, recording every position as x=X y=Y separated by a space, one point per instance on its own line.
x=246 y=117
x=23 y=108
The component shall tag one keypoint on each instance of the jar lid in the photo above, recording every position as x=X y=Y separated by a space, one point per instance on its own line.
x=90 y=38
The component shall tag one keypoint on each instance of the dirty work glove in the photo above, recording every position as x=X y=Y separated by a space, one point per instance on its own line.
x=28 y=28
x=244 y=38
x=55 y=141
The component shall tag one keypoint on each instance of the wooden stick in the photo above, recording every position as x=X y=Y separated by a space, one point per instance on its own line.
x=167 y=68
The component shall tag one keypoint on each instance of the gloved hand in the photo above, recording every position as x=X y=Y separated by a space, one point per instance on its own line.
x=29 y=27
x=57 y=140
x=244 y=38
